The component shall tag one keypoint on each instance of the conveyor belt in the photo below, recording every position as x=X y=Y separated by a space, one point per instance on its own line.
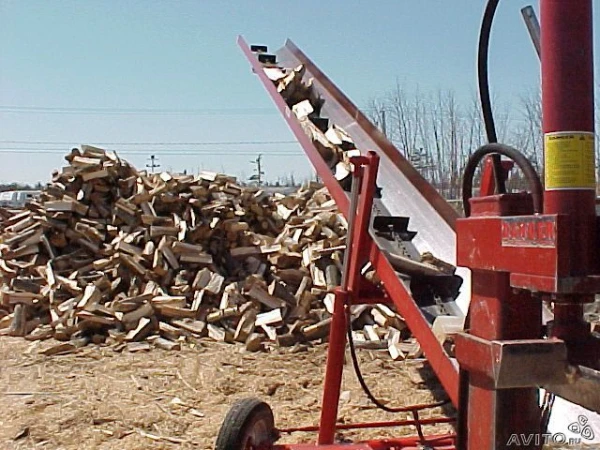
x=404 y=191
x=419 y=291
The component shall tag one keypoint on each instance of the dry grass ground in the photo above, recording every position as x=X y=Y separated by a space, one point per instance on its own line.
x=100 y=399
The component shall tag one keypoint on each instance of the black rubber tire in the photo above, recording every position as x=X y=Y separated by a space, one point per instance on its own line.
x=246 y=416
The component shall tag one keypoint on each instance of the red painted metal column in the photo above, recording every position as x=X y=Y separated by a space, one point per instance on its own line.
x=334 y=369
x=487 y=185
x=499 y=313
x=568 y=123
x=359 y=216
x=568 y=105
x=337 y=333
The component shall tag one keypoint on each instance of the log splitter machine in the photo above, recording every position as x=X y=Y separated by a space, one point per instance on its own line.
x=523 y=249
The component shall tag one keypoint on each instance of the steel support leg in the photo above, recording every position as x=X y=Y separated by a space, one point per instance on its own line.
x=361 y=202
x=334 y=369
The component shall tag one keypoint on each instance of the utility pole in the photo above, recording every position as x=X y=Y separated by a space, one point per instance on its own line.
x=383 y=123
x=152 y=164
x=259 y=173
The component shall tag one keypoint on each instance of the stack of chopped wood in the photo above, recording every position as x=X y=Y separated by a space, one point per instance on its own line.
x=113 y=254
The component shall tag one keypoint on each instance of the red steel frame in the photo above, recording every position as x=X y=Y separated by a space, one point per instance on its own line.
x=363 y=249
x=350 y=293
x=394 y=288
x=353 y=291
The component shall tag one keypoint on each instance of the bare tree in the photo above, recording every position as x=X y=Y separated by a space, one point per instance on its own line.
x=438 y=134
x=376 y=112
x=533 y=145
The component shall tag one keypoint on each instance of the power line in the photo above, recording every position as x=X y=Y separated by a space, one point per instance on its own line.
x=440 y=113
x=202 y=143
x=134 y=111
x=190 y=152
x=193 y=151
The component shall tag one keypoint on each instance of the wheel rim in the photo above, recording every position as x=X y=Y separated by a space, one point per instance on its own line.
x=257 y=435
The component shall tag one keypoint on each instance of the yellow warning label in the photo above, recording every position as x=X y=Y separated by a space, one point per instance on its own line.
x=569 y=160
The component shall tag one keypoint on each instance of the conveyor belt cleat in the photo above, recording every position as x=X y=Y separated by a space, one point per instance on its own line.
x=393 y=227
x=258 y=48
x=266 y=58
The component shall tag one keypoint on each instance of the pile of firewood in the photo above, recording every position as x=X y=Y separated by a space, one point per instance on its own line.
x=112 y=254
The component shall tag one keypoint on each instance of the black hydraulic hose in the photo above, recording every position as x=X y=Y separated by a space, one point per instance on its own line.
x=484 y=88
x=535 y=185
x=365 y=387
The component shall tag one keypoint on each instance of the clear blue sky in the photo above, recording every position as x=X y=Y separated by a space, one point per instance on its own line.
x=132 y=55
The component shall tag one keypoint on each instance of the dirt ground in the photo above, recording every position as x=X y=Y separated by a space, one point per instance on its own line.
x=100 y=399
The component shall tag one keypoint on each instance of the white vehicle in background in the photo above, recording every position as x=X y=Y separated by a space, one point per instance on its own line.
x=17 y=199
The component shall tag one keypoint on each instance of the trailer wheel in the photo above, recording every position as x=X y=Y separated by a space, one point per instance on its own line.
x=248 y=425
